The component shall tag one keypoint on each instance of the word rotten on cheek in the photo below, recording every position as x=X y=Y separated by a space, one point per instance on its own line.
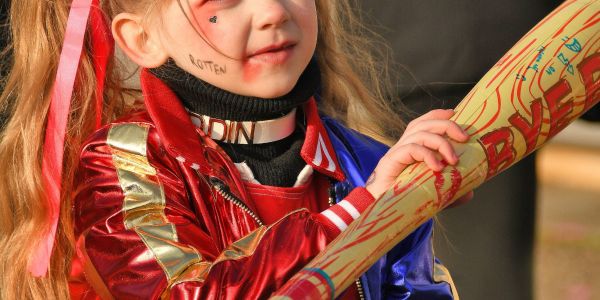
x=499 y=144
x=208 y=65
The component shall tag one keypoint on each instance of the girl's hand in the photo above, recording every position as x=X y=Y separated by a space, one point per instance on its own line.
x=425 y=139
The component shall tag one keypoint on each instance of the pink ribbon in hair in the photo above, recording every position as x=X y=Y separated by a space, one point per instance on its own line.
x=60 y=105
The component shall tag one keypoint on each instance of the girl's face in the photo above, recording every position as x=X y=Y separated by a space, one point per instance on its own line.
x=249 y=47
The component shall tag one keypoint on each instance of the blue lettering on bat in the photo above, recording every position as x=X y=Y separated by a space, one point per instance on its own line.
x=575 y=46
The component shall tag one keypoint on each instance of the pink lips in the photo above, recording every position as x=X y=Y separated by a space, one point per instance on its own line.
x=275 y=54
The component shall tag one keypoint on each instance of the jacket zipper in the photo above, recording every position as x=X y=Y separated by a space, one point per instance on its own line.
x=222 y=190
x=361 y=292
x=359 y=287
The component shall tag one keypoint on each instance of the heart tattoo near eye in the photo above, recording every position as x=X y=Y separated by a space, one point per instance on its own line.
x=213 y=19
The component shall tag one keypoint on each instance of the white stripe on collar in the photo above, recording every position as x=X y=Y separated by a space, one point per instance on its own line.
x=246 y=132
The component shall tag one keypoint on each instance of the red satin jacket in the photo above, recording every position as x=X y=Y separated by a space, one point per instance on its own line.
x=161 y=212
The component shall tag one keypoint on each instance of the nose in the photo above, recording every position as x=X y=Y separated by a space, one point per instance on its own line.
x=270 y=13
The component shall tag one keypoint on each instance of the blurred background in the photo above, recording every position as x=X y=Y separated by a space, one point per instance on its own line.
x=524 y=236
x=567 y=242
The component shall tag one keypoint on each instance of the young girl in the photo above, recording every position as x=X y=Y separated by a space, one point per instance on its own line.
x=237 y=169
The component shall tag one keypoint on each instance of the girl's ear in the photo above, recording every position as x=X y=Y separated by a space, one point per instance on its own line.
x=144 y=49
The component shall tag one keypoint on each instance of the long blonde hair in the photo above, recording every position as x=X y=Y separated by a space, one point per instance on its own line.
x=354 y=91
x=355 y=67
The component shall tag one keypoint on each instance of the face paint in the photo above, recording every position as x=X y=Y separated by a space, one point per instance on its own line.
x=247 y=47
x=251 y=71
x=208 y=65
x=194 y=16
x=254 y=64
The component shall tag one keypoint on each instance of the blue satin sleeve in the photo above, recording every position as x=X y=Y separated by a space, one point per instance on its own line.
x=409 y=270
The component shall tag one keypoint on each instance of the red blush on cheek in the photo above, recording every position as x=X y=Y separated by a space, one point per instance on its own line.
x=204 y=26
x=250 y=71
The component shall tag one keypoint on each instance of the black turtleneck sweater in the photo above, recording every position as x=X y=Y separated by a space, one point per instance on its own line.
x=277 y=163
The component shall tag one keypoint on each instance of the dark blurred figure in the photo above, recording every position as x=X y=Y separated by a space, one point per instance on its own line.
x=5 y=58
x=4 y=5
x=593 y=114
x=444 y=47
x=4 y=36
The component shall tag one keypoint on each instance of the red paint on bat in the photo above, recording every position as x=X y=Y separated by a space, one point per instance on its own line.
x=585 y=46
x=342 y=269
x=400 y=189
x=531 y=82
x=587 y=51
x=467 y=100
x=571 y=20
x=419 y=210
x=387 y=214
x=473 y=170
x=332 y=260
x=539 y=74
x=559 y=105
x=413 y=168
x=510 y=73
x=456 y=180
x=498 y=146
x=468 y=183
x=369 y=234
x=588 y=25
x=551 y=61
x=591 y=18
x=440 y=180
x=365 y=264
x=381 y=215
x=478 y=116
x=518 y=87
x=391 y=204
x=418 y=221
x=390 y=208
x=304 y=289
x=530 y=130
x=548 y=18
x=543 y=73
x=510 y=62
x=589 y=69
x=493 y=119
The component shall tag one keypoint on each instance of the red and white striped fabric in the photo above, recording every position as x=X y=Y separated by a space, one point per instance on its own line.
x=337 y=218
